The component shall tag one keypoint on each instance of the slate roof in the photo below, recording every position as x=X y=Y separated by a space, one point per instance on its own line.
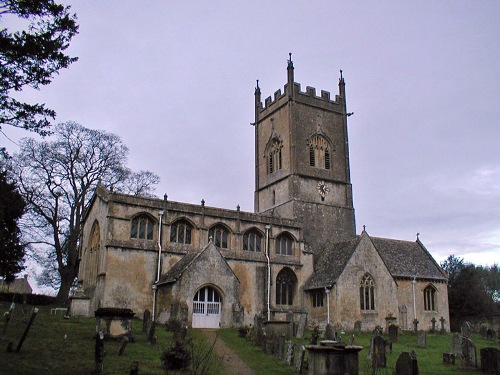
x=178 y=268
x=408 y=259
x=331 y=264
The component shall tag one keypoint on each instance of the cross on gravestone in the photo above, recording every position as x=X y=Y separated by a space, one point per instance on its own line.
x=290 y=351
x=442 y=320
x=379 y=359
x=299 y=364
x=406 y=364
x=421 y=339
x=469 y=354
x=433 y=321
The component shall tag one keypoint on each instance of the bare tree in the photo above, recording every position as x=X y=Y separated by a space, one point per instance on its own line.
x=57 y=179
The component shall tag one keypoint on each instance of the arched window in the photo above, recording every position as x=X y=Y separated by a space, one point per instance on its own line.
x=252 y=240
x=275 y=158
x=284 y=244
x=286 y=282
x=180 y=232
x=93 y=256
x=367 y=293
x=220 y=236
x=142 y=227
x=319 y=152
x=430 y=298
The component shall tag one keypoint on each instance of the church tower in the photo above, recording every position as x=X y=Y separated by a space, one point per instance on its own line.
x=302 y=161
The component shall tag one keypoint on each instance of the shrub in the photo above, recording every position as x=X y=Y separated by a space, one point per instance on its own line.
x=176 y=357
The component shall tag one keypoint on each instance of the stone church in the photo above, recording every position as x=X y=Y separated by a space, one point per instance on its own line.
x=296 y=255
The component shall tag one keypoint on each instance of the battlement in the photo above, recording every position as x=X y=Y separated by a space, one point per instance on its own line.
x=307 y=97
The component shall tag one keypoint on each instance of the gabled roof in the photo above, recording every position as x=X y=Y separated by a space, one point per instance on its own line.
x=20 y=286
x=408 y=259
x=331 y=263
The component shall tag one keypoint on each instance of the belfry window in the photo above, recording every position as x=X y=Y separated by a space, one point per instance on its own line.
x=430 y=298
x=142 y=227
x=219 y=235
x=275 y=157
x=180 y=232
x=286 y=282
x=284 y=244
x=367 y=293
x=252 y=241
x=319 y=152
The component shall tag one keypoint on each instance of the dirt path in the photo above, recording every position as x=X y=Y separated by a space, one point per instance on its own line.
x=232 y=362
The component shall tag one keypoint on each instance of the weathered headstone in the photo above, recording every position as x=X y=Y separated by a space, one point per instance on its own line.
x=421 y=339
x=281 y=346
x=146 y=319
x=490 y=360
x=388 y=347
x=490 y=334
x=314 y=335
x=290 y=351
x=406 y=364
x=379 y=359
x=433 y=322
x=299 y=363
x=466 y=329
x=330 y=332
x=469 y=354
x=357 y=326
x=393 y=333
x=377 y=331
x=415 y=325
x=442 y=320
x=456 y=345
x=301 y=329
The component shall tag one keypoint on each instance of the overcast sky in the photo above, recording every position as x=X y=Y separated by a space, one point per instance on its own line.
x=175 y=79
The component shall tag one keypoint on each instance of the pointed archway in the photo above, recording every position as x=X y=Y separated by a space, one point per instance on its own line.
x=207 y=304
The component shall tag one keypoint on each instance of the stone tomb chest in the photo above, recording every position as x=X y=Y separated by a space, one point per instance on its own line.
x=114 y=323
x=332 y=358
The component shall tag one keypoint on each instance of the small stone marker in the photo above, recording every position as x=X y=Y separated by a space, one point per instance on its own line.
x=433 y=321
x=490 y=334
x=290 y=351
x=415 y=325
x=125 y=340
x=421 y=339
x=456 y=345
x=300 y=359
x=466 y=329
x=490 y=360
x=449 y=358
x=357 y=326
x=379 y=359
x=406 y=364
x=393 y=333
x=146 y=319
x=315 y=336
x=469 y=354
x=330 y=332
x=442 y=320
x=301 y=329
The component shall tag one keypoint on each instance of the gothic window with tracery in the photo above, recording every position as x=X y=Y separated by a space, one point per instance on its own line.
x=142 y=227
x=430 y=298
x=180 y=232
x=284 y=244
x=275 y=157
x=219 y=235
x=319 y=152
x=286 y=282
x=367 y=293
x=252 y=240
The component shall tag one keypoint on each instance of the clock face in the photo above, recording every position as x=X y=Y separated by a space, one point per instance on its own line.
x=323 y=188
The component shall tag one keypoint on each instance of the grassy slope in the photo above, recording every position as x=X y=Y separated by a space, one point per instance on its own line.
x=46 y=351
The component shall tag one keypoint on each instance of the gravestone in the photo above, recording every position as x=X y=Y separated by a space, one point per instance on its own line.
x=421 y=339
x=299 y=364
x=449 y=358
x=377 y=331
x=443 y=330
x=466 y=329
x=330 y=332
x=379 y=359
x=490 y=360
x=388 y=347
x=302 y=326
x=146 y=319
x=469 y=354
x=456 y=345
x=290 y=351
x=314 y=336
x=357 y=326
x=433 y=322
x=490 y=334
x=483 y=329
x=406 y=364
x=281 y=346
x=415 y=325
x=393 y=333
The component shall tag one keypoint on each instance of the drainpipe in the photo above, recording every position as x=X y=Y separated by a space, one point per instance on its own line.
x=327 y=290
x=155 y=288
x=268 y=274
x=413 y=282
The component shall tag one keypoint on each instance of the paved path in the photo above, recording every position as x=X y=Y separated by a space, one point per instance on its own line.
x=234 y=365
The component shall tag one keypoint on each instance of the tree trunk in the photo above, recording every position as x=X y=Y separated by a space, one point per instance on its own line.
x=68 y=275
